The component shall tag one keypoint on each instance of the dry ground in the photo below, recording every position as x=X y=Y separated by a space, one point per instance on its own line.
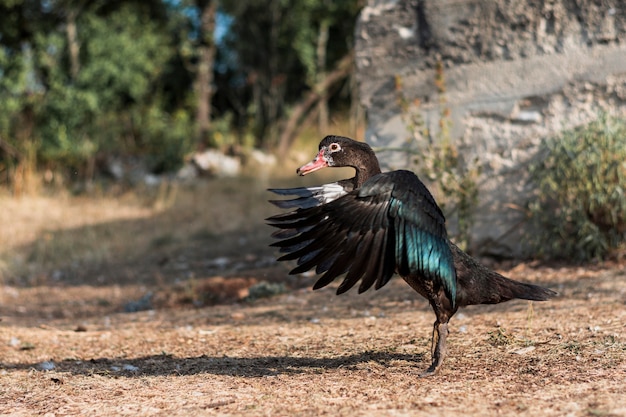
x=71 y=266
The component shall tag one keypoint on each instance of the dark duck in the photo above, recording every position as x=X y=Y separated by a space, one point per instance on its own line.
x=371 y=226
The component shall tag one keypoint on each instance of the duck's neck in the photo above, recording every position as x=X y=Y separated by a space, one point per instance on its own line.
x=365 y=170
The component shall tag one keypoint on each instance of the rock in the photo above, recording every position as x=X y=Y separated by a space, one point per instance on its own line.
x=129 y=367
x=262 y=158
x=237 y=316
x=187 y=172
x=47 y=366
x=213 y=162
x=523 y=350
x=514 y=74
x=144 y=303
x=131 y=169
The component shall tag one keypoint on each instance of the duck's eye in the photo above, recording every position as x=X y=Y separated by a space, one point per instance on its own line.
x=334 y=147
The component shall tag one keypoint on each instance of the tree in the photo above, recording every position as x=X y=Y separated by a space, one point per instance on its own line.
x=317 y=94
x=282 y=53
x=206 y=48
x=83 y=78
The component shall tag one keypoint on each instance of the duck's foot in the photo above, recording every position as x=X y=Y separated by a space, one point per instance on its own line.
x=431 y=371
x=440 y=333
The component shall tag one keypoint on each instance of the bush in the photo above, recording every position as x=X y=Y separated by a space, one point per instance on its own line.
x=580 y=206
x=165 y=139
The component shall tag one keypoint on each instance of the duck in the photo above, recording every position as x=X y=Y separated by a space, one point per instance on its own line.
x=377 y=224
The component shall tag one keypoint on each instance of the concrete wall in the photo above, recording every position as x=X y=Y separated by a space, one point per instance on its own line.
x=516 y=72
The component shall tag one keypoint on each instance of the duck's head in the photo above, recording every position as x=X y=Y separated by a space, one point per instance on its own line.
x=339 y=151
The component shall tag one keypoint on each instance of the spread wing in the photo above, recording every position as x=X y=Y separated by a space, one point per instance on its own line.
x=392 y=223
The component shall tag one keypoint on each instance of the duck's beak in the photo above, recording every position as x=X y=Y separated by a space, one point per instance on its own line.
x=319 y=162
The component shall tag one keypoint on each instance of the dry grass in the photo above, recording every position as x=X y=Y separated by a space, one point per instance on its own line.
x=67 y=347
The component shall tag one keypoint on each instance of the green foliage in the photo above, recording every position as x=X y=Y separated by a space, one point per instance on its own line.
x=122 y=57
x=579 y=210
x=277 y=53
x=18 y=106
x=79 y=80
x=124 y=54
x=166 y=138
x=12 y=88
x=439 y=161
x=108 y=105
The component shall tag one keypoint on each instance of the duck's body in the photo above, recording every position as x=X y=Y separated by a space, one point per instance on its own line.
x=377 y=224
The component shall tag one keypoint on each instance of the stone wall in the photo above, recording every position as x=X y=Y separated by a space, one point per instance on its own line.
x=516 y=73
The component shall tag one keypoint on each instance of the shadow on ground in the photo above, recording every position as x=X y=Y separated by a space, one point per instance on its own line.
x=162 y=365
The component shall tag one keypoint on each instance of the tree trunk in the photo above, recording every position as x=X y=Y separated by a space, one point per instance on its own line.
x=204 y=71
x=344 y=68
x=273 y=99
x=73 y=44
x=322 y=106
x=356 y=110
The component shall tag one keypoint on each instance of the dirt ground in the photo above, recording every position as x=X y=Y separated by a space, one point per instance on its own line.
x=143 y=307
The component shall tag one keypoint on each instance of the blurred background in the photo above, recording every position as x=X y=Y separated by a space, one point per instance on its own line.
x=88 y=86
x=137 y=138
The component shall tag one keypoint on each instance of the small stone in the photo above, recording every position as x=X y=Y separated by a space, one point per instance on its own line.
x=524 y=350
x=238 y=316
x=47 y=366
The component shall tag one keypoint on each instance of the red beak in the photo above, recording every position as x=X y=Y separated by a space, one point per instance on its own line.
x=318 y=163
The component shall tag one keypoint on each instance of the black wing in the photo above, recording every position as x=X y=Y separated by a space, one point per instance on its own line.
x=390 y=224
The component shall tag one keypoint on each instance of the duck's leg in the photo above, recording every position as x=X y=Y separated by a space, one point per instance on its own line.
x=443 y=309
x=438 y=348
x=434 y=339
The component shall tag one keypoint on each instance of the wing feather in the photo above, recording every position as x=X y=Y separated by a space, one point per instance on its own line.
x=392 y=223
